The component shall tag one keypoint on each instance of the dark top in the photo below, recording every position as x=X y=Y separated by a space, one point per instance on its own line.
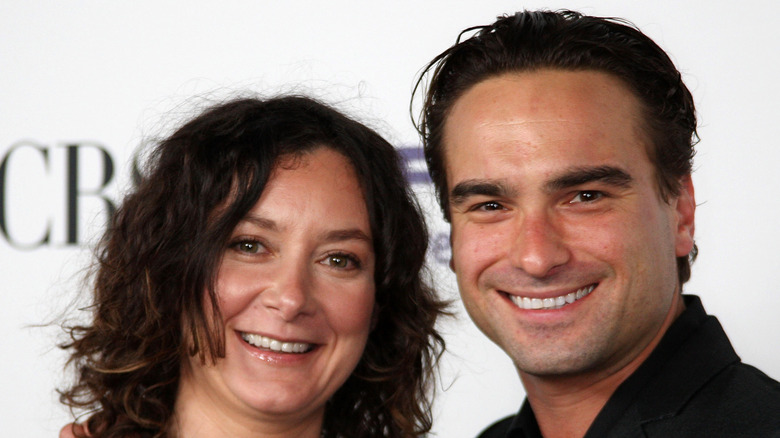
x=692 y=385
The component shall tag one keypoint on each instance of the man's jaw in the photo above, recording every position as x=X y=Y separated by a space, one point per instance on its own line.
x=551 y=303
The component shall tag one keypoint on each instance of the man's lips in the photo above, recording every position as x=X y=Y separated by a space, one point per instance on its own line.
x=549 y=303
x=276 y=345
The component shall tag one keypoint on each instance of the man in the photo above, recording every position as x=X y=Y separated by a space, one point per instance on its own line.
x=561 y=149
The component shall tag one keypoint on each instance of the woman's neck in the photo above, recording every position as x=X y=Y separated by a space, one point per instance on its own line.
x=200 y=414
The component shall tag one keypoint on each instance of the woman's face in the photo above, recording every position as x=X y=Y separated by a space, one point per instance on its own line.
x=296 y=292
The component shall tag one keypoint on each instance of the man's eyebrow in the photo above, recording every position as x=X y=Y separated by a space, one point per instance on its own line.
x=611 y=175
x=477 y=187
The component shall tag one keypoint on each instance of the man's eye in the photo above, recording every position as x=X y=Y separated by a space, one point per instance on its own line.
x=489 y=206
x=587 y=196
x=341 y=261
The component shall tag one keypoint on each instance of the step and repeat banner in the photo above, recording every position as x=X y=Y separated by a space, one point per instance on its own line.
x=85 y=84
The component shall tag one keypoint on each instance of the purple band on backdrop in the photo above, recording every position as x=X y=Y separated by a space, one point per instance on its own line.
x=414 y=164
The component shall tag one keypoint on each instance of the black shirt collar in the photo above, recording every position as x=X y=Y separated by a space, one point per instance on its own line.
x=524 y=424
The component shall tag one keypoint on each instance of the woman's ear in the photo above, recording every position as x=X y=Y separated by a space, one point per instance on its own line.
x=374 y=317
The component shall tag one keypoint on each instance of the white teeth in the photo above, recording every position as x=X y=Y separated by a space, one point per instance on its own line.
x=551 y=303
x=275 y=345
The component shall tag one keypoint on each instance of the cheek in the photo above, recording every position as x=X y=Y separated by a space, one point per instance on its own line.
x=632 y=244
x=607 y=241
x=235 y=289
x=650 y=237
x=351 y=312
x=476 y=246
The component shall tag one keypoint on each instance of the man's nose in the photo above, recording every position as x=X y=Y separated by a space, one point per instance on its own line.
x=537 y=247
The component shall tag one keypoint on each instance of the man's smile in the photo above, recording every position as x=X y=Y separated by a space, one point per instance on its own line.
x=550 y=302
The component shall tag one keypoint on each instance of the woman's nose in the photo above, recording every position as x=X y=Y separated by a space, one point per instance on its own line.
x=290 y=292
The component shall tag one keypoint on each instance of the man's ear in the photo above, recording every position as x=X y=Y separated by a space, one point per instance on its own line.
x=452 y=260
x=685 y=208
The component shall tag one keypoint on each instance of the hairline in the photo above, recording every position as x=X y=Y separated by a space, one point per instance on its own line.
x=642 y=125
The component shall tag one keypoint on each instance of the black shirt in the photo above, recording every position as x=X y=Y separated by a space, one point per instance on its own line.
x=692 y=384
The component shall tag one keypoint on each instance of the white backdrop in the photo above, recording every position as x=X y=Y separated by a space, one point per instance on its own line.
x=102 y=74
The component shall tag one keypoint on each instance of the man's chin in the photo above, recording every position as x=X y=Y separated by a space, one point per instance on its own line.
x=555 y=362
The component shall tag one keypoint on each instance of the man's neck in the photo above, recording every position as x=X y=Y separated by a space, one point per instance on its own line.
x=565 y=406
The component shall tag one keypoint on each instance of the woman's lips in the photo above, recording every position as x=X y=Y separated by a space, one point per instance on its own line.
x=276 y=345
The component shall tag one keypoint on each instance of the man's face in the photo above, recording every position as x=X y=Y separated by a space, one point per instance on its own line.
x=563 y=249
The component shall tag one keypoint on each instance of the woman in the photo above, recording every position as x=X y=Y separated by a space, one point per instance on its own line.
x=263 y=278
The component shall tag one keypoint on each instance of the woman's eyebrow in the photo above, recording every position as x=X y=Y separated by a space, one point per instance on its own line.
x=339 y=235
x=261 y=222
x=347 y=234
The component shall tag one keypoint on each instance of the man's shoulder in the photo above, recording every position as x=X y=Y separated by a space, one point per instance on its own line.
x=498 y=429
x=712 y=393
x=739 y=401
x=721 y=384
x=741 y=393
x=694 y=384
x=746 y=381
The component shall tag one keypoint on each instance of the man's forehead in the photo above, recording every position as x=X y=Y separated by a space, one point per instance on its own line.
x=529 y=108
x=582 y=91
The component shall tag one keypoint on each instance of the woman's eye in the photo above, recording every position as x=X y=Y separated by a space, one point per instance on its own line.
x=587 y=196
x=341 y=261
x=248 y=246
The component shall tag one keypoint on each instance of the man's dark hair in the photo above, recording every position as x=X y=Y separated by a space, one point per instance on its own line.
x=566 y=40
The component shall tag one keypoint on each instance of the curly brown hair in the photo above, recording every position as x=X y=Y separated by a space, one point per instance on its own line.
x=164 y=245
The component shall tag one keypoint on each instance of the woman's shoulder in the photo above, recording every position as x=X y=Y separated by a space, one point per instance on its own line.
x=74 y=430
